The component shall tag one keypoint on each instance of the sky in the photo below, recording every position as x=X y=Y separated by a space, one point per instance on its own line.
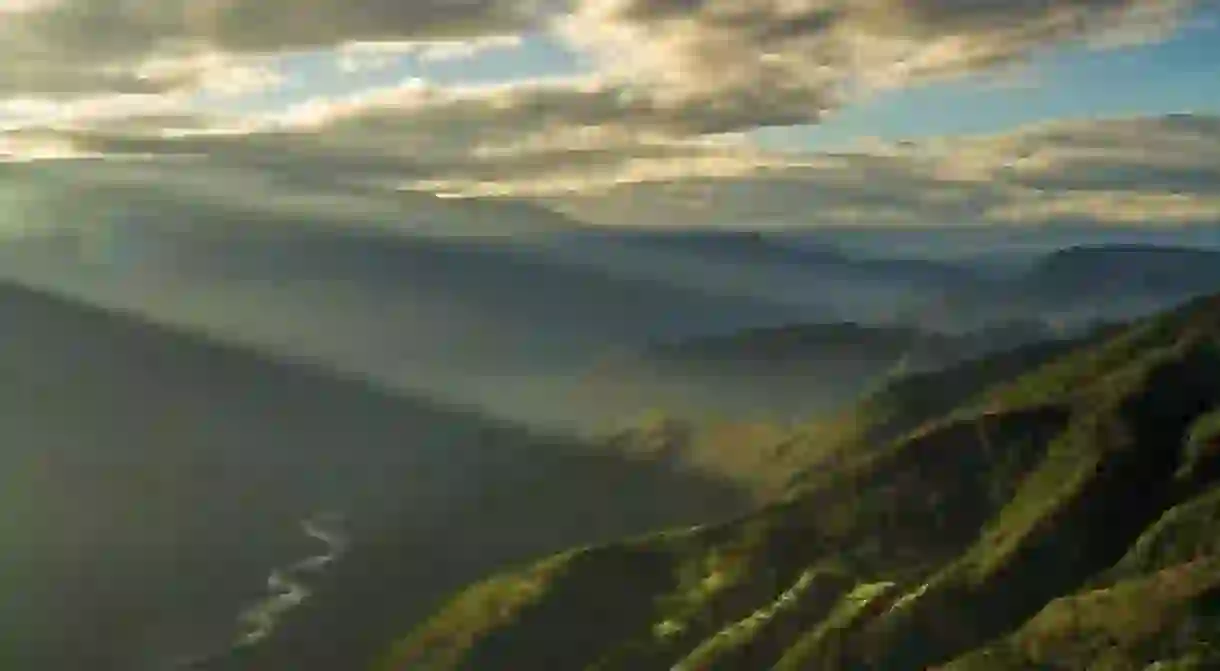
x=630 y=112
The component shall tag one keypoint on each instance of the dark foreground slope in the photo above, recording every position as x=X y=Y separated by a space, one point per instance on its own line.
x=1064 y=519
x=150 y=479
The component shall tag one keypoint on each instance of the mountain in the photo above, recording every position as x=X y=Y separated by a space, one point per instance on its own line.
x=1112 y=271
x=821 y=280
x=786 y=373
x=1081 y=284
x=432 y=315
x=1053 y=508
x=1008 y=246
x=442 y=314
x=152 y=479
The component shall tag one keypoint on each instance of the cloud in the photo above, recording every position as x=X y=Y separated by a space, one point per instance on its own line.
x=1118 y=171
x=794 y=59
x=657 y=124
x=71 y=47
x=677 y=70
x=210 y=72
x=14 y=7
x=117 y=29
x=588 y=139
x=372 y=56
x=262 y=25
x=1110 y=207
x=1157 y=170
x=744 y=63
x=456 y=118
x=103 y=109
x=16 y=148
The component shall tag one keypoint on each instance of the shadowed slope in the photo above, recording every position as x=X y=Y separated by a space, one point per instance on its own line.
x=150 y=479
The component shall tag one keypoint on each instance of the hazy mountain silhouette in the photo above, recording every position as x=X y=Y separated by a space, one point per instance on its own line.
x=786 y=373
x=1115 y=271
x=442 y=316
x=1081 y=284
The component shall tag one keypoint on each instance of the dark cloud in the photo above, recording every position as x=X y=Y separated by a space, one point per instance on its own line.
x=276 y=24
x=791 y=60
x=91 y=46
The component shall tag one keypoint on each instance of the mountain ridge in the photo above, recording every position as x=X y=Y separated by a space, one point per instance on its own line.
x=1039 y=485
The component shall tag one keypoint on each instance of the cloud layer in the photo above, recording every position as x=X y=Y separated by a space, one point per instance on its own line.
x=686 y=68
x=786 y=58
x=1163 y=170
x=790 y=61
x=659 y=127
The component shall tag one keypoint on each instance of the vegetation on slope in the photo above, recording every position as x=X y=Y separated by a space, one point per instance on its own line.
x=773 y=459
x=980 y=531
x=1157 y=608
x=1201 y=463
x=1166 y=619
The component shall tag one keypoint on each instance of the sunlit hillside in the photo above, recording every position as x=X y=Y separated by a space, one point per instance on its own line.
x=1062 y=519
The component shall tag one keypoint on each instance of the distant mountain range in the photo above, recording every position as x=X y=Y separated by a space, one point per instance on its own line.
x=787 y=373
x=1077 y=285
x=796 y=371
x=1112 y=271
x=442 y=315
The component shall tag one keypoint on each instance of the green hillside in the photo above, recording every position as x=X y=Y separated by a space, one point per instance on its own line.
x=1055 y=508
x=770 y=458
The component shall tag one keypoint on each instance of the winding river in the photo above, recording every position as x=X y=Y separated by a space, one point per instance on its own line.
x=287 y=588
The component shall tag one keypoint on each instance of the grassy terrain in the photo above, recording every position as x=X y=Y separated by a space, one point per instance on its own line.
x=1052 y=508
